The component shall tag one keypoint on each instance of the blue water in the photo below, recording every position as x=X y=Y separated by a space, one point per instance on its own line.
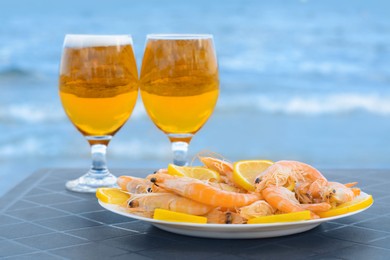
x=304 y=80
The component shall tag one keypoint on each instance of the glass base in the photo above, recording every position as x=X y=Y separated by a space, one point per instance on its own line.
x=89 y=182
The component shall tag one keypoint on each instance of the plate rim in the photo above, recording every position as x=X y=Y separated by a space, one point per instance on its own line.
x=231 y=227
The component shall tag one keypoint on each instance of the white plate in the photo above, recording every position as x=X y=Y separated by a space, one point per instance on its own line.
x=231 y=231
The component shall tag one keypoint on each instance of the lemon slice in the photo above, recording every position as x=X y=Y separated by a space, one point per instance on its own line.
x=200 y=173
x=245 y=172
x=288 y=217
x=360 y=202
x=173 y=216
x=112 y=195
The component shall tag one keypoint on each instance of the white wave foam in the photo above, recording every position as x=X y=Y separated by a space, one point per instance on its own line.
x=138 y=149
x=253 y=61
x=311 y=105
x=34 y=113
x=25 y=147
x=329 y=67
x=294 y=105
x=85 y=40
x=30 y=113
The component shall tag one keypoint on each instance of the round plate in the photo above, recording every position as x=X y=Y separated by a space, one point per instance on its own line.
x=230 y=231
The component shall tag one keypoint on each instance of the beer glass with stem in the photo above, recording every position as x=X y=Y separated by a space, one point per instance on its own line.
x=179 y=86
x=98 y=87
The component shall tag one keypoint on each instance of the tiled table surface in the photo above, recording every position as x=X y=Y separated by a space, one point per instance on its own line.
x=39 y=219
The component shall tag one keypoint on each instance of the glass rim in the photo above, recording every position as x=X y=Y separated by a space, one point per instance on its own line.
x=76 y=40
x=178 y=36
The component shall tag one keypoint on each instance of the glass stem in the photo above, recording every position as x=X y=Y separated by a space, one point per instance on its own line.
x=180 y=150
x=99 y=162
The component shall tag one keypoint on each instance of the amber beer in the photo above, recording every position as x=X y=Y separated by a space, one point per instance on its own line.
x=98 y=86
x=179 y=83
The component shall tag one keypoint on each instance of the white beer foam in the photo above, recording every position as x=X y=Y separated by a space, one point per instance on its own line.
x=85 y=40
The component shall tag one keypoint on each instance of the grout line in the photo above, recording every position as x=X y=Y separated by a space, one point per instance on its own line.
x=22 y=194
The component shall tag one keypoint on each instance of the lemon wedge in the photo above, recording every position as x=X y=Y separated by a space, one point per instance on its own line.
x=173 y=216
x=360 y=202
x=245 y=172
x=288 y=217
x=200 y=173
x=112 y=195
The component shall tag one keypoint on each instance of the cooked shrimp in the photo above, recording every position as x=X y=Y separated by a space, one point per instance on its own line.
x=202 y=192
x=224 y=168
x=311 y=192
x=305 y=180
x=287 y=174
x=284 y=200
x=226 y=187
x=219 y=216
x=256 y=209
x=317 y=207
x=137 y=185
x=350 y=184
x=146 y=203
x=337 y=193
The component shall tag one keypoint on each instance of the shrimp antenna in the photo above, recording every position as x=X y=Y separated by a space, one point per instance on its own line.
x=208 y=153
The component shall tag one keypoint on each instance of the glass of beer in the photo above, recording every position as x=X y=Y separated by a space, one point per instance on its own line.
x=179 y=86
x=98 y=87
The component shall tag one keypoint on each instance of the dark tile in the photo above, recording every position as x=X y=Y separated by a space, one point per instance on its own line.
x=378 y=209
x=376 y=194
x=178 y=250
x=355 y=234
x=106 y=217
x=219 y=245
x=81 y=195
x=328 y=226
x=22 y=204
x=383 y=243
x=100 y=233
x=22 y=230
x=136 y=225
x=65 y=174
x=226 y=257
x=55 y=198
x=322 y=257
x=137 y=242
x=363 y=182
x=380 y=223
x=79 y=206
x=316 y=243
x=67 y=223
x=383 y=200
x=36 y=256
x=51 y=178
x=132 y=256
x=362 y=216
x=56 y=186
x=88 y=251
x=37 y=191
x=9 y=248
x=36 y=213
x=6 y=220
x=383 y=186
x=272 y=251
x=51 y=241
x=358 y=252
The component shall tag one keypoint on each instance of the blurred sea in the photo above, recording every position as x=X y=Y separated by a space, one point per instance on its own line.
x=303 y=80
